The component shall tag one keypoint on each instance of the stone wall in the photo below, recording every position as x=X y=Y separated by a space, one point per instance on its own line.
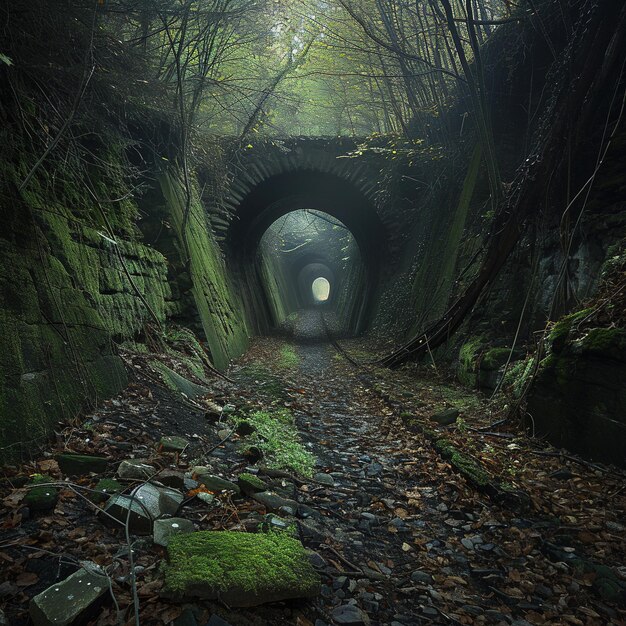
x=75 y=280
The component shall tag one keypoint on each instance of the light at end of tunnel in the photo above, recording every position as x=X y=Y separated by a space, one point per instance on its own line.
x=320 y=289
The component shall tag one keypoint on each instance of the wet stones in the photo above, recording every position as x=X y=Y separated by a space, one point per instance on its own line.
x=275 y=503
x=164 y=529
x=324 y=479
x=213 y=483
x=350 y=614
x=173 y=443
x=135 y=469
x=145 y=504
x=73 y=601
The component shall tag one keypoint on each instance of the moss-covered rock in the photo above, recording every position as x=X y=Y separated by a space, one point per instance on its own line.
x=578 y=399
x=467 y=370
x=560 y=331
x=77 y=464
x=105 y=488
x=41 y=497
x=240 y=569
x=249 y=483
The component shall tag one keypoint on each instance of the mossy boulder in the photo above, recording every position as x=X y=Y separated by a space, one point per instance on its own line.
x=41 y=497
x=173 y=443
x=239 y=569
x=578 y=399
x=467 y=370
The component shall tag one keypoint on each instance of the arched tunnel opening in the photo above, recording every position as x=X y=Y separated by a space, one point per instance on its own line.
x=300 y=227
x=299 y=257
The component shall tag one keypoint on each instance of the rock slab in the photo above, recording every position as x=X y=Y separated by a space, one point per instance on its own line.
x=71 y=602
x=241 y=569
x=165 y=529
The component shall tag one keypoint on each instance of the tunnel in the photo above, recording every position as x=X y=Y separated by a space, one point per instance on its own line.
x=296 y=227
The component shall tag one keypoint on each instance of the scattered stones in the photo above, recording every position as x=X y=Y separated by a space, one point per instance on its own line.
x=350 y=614
x=467 y=543
x=173 y=479
x=73 y=601
x=224 y=433
x=135 y=469
x=105 y=488
x=164 y=529
x=213 y=483
x=142 y=506
x=446 y=417
x=272 y=523
x=78 y=464
x=173 y=443
x=374 y=469
x=421 y=577
x=241 y=569
x=324 y=479
x=214 y=411
x=275 y=503
x=250 y=484
x=207 y=498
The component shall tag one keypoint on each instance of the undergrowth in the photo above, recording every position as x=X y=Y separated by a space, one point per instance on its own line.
x=277 y=436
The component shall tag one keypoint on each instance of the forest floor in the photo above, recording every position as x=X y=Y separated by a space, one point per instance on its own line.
x=410 y=521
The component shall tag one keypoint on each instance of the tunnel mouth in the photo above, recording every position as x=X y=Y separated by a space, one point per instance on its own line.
x=309 y=264
x=320 y=288
x=353 y=273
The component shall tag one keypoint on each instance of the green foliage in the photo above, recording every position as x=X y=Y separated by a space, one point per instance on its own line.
x=287 y=358
x=562 y=328
x=517 y=375
x=276 y=435
x=467 y=371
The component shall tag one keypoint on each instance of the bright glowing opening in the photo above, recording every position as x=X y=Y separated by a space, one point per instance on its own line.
x=320 y=289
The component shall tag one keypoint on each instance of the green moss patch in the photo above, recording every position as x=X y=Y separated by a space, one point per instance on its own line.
x=610 y=342
x=76 y=464
x=105 y=488
x=239 y=569
x=468 y=362
x=277 y=437
x=560 y=331
x=287 y=358
x=41 y=497
x=249 y=483
x=465 y=465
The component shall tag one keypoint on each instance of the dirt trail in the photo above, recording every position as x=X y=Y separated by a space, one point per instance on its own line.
x=398 y=536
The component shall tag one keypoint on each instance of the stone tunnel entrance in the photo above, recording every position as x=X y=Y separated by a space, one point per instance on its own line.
x=293 y=228
x=307 y=259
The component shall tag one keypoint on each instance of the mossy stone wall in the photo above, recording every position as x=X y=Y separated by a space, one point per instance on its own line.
x=217 y=302
x=578 y=399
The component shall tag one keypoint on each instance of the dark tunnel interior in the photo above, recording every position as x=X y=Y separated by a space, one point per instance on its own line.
x=297 y=227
